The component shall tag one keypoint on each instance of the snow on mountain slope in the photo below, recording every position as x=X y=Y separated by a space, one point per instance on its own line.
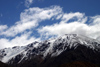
x=52 y=46
x=8 y=53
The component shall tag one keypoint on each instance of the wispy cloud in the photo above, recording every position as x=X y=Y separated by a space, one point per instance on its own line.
x=21 y=40
x=74 y=23
x=28 y=3
x=30 y=19
x=3 y=27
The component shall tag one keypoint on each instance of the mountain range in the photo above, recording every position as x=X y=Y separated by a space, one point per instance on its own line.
x=69 y=50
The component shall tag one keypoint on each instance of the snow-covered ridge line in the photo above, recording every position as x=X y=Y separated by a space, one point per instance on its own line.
x=52 y=46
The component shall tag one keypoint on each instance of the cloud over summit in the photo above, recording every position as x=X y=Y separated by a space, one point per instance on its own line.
x=30 y=19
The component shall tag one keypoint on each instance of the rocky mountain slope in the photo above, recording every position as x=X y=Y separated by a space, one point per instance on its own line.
x=3 y=65
x=54 y=52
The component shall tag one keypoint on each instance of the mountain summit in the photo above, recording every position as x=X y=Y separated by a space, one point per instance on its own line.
x=55 y=52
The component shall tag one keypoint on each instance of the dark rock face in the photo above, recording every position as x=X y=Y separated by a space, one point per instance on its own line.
x=3 y=65
x=78 y=64
x=81 y=53
x=81 y=56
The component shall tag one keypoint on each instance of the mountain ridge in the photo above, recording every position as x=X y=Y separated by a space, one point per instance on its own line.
x=51 y=48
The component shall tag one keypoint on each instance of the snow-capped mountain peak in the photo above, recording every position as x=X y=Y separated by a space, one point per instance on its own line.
x=51 y=47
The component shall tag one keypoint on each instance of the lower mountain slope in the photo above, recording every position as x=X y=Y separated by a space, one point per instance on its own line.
x=3 y=65
x=81 y=56
x=78 y=64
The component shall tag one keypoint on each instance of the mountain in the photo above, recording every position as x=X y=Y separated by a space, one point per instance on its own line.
x=58 y=52
x=3 y=65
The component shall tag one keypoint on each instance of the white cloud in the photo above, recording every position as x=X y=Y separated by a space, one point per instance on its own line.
x=3 y=27
x=76 y=25
x=28 y=3
x=74 y=16
x=95 y=19
x=64 y=28
x=22 y=40
x=30 y=18
x=19 y=28
x=69 y=23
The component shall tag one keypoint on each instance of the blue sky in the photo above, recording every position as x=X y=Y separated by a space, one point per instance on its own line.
x=26 y=21
x=10 y=10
